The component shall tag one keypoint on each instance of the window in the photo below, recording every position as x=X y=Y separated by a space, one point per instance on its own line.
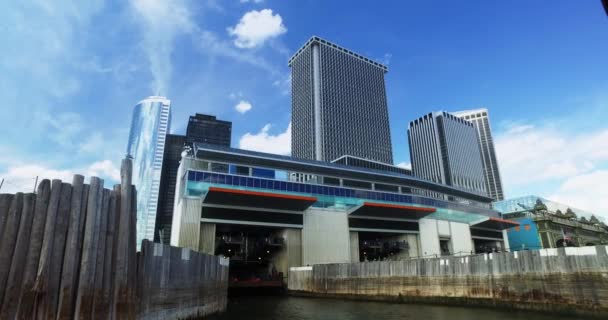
x=219 y=167
x=239 y=170
x=331 y=181
x=386 y=187
x=356 y=184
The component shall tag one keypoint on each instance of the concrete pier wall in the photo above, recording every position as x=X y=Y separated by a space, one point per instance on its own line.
x=178 y=283
x=569 y=280
x=69 y=252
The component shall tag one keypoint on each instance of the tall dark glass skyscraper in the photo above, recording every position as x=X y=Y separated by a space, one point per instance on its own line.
x=338 y=104
x=201 y=128
x=445 y=149
x=481 y=120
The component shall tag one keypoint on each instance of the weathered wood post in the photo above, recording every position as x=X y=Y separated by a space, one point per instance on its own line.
x=9 y=238
x=84 y=295
x=5 y=204
x=110 y=248
x=54 y=270
x=26 y=299
x=98 y=302
x=71 y=261
x=13 y=284
x=123 y=301
x=46 y=252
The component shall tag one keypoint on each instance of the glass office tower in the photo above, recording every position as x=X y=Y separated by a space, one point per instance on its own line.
x=149 y=128
x=444 y=149
x=338 y=104
x=480 y=119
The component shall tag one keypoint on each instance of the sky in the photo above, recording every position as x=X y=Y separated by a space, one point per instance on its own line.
x=71 y=72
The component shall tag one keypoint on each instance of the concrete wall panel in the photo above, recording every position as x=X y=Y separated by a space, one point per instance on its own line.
x=429 y=238
x=325 y=237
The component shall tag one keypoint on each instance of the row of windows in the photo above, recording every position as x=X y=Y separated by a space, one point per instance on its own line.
x=216 y=178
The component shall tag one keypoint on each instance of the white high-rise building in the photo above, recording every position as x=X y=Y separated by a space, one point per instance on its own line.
x=481 y=121
x=149 y=128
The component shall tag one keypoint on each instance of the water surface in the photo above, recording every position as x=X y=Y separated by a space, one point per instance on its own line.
x=296 y=308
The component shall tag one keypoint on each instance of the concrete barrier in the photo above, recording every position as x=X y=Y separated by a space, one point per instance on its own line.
x=69 y=252
x=568 y=280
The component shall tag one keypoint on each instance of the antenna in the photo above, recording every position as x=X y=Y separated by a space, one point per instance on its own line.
x=1 y=183
x=35 y=184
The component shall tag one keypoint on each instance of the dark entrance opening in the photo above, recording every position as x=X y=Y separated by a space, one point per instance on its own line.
x=487 y=245
x=252 y=251
x=378 y=246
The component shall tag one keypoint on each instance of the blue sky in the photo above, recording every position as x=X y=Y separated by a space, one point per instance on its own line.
x=71 y=74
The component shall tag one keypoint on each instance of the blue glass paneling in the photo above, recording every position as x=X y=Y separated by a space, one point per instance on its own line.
x=328 y=193
x=263 y=173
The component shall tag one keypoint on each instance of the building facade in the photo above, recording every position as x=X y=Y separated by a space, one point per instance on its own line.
x=174 y=146
x=548 y=224
x=147 y=137
x=339 y=104
x=201 y=128
x=444 y=149
x=481 y=120
x=264 y=211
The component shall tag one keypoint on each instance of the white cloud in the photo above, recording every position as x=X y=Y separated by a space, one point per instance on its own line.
x=253 y=1
x=405 y=165
x=209 y=44
x=22 y=177
x=160 y=22
x=564 y=167
x=529 y=154
x=243 y=106
x=256 y=27
x=587 y=191
x=93 y=143
x=265 y=142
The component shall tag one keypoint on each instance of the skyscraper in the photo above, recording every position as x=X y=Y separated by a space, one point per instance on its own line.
x=445 y=149
x=338 y=104
x=201 y=128
x=149 y=128
x=480 y=119
x=208 y=129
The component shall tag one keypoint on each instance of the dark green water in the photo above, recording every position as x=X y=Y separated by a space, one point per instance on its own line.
x=295 y=308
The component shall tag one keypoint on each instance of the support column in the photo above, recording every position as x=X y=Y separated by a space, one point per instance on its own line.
x=354 y=246
x=206 y=243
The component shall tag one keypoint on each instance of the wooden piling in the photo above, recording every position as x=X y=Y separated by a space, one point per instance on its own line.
x=27 y=297
x=9 y=238
x=110 y=247
x=13 y=284
x=98 y=301
x=121 y=297
x=84 y=295
x=5 y=204
x=61 y=228
x=42 y=303
x=71 y=261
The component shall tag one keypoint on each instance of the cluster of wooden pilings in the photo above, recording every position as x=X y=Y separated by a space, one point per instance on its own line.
x=69 y=250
